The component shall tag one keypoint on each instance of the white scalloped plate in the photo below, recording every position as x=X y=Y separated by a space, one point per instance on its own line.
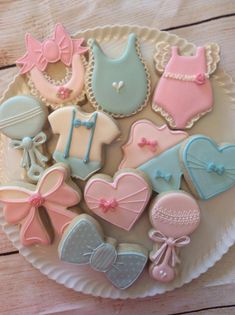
x=217 y=229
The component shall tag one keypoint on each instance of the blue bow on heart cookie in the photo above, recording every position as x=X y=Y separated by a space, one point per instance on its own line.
x=209 y=168
x=83 y=243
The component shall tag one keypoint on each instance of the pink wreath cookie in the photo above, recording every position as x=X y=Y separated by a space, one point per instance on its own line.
x=23 y=203
x=174 y=215
x=146 y=140
x=61 y=47
x=184 y=92
x=121 y=200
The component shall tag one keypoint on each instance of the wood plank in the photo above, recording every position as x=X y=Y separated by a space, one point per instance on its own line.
x=216 y=311
x=221 y=32
x=21 y=282
x=19 y=17
x=5 y=245
x=6 y=77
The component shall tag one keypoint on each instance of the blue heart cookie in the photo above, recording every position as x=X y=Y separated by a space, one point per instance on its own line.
x=210 y=168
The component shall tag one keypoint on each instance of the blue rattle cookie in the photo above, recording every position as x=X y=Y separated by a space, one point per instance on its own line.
x=22 y=119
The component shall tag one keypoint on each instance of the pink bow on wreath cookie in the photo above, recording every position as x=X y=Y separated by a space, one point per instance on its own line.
x=58 y=48
x=22 y=206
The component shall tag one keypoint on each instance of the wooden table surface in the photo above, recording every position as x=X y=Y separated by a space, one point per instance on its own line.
x=23 y=290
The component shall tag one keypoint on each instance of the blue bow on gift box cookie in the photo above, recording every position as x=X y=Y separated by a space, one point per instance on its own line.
x=208 y=168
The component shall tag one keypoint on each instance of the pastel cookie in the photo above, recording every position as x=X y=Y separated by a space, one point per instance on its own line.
x=120 y=86
x=22 y=119
x=83 y=243
x=81 y=138
x=119 y=200
x=174 y=216
x=59 y=48
x=22 y=205
x=184 y=93
x=146 y=140
x=164 y=171
x=208 y=168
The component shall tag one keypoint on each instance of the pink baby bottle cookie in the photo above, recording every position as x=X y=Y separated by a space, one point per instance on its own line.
x=174 y=216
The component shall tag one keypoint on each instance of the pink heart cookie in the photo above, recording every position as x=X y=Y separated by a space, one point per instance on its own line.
x=119 y=201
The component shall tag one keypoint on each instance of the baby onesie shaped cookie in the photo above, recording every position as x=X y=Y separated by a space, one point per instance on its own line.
x=83 y=243
x=174 y=216
x=22 y=119
x=147 y=140
x=22 y=205
x=184 y=93
x=208 y=168
x=119 y=200
x=121 y=86
x=81 y=137
x=61 y=47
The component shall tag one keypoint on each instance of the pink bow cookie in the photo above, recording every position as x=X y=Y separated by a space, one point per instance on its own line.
x=61 y=47
x=22 y=205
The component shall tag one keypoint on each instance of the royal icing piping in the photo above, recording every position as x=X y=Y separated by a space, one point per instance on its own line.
x=210 y=169
x=125 y=80
x=21 y=205
x=184 y=91
x=146 y=141
x=58 y=48
x=174 y=216
x=164 y=171
x=22 y=119
x=81 y=137
x=119 y=201
x=83 y=243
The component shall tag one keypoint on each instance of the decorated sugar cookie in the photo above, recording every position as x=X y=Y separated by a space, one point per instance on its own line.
x=121 y=86
x=61 y=47
x=146 y=140
x=22 y=119
x=184 y=92
x=23 y=202
x=174 y=216
x=119 y=200
x=164 y=171
x=83 y=243
x=81 y=138
x=208 y=168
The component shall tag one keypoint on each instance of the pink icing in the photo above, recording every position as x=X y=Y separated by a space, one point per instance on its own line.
x=108 y=204
x=151 y=144
x=130 y=192
x=36 y=200
x=135 y=155
x=61 y=47
x=182 y=99
x=174 y=215
x=21 y=205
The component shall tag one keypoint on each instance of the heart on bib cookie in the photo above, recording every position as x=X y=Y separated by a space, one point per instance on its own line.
x=208 y=167
x=120 y=201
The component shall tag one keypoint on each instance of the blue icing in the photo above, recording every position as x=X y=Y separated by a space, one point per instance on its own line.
x=22 y=116
x=210 y=168
x=119 y=85
x=164 y=171
x=83 y=244
x=79 y=169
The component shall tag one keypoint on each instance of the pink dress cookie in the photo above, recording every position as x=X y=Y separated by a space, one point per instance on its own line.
x=184 y=92
x=119 y=201
x=146 y=141
x=22 y=205
x=61 y=47
x=174 y=215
